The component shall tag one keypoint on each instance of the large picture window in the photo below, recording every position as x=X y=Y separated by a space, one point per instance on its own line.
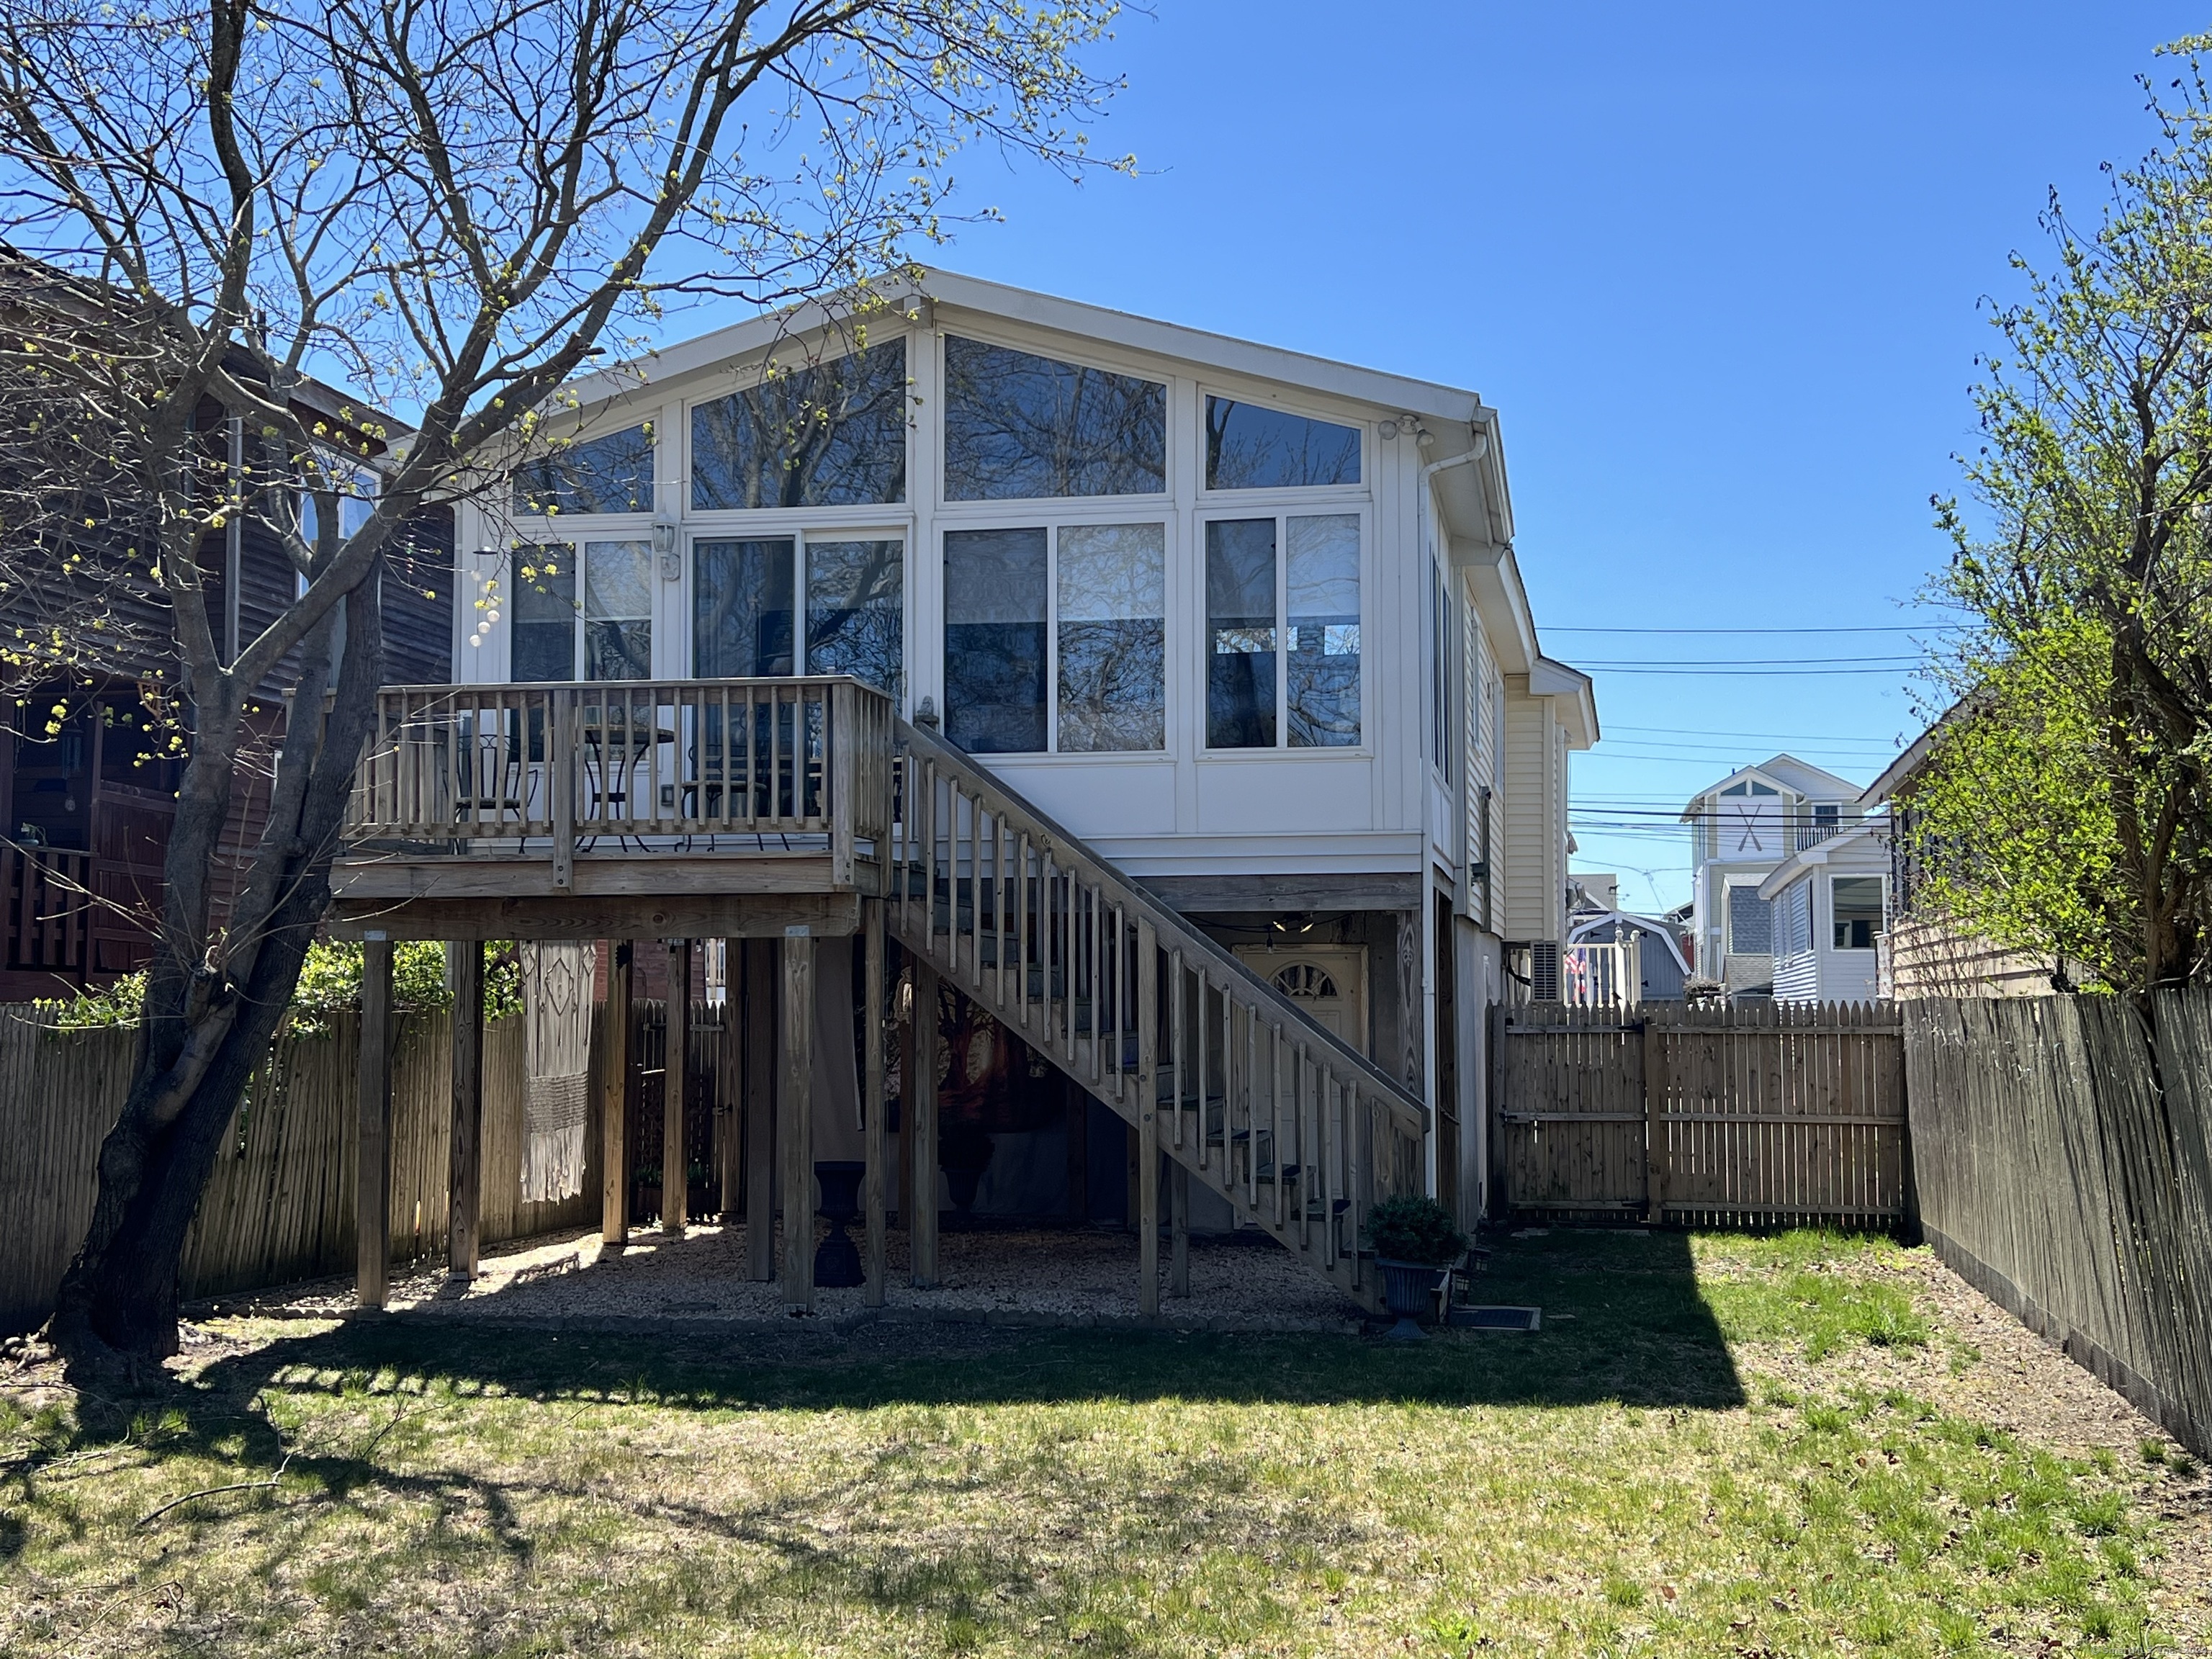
x=1283 y=644
x=611 y=474
x=1251 y=446
x=608 y=637
x=1021 y=427
x=826 y=434
x=1056 y=638
x=744 y=609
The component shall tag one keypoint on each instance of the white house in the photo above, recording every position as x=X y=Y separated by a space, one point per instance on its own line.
x=1740 y=829
x=1828 y=901
x=1247 y=621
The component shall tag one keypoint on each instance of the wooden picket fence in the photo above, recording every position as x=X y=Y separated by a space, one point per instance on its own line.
x=279 y=1206
x=1746 y=1114
x=2064 y=1163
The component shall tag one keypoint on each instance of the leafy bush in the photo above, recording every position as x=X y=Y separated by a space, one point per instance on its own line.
x=330 y=979
x=1416 y=1229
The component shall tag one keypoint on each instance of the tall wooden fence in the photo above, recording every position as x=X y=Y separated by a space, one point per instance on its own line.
x=1745 y=1114
x=280 y=1204
x=2063 y=1167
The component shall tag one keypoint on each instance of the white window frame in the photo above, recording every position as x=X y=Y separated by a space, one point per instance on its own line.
x=1827 y=923
x=1052 y=522
x=1283 y=506
x=1209 y=498
x=575 y=534
x=797 y=525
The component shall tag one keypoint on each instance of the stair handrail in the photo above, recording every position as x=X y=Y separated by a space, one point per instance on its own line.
x=1409 y=1112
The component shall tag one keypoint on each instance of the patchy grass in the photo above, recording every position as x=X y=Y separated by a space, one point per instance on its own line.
x=1632 y=1480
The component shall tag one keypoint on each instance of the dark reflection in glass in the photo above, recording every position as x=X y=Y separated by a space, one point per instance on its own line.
x=741 y=608
x=618 y=610
x=1249 y=447
x=1320 y=584
x=827 y=435
x=1017 y=426
x=1240 y=634
x=995 y=639
x=1113 y=637
x=855 y=615
x=613 y=474
x=545 y=613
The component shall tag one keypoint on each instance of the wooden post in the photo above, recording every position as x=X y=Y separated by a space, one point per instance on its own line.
x=1178 y=1231
x=676 y=1093
x=871 y=1093
x=614 y=1104
x=760 y=1119
x=465 y=1168
x=372 y=1214
x=904 y=1192
x=1148 y=1125
x=1494 y=1113
x=1655 y=1124
x=921 y=1096
x=795 y=1121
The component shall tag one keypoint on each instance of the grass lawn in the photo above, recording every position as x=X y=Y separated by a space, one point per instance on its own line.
x=1715 y=1446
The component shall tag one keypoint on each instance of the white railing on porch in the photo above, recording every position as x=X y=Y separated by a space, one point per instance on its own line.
x=1600 y=973
x=768 y=764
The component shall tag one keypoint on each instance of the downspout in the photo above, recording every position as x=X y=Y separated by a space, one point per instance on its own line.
x=1475 y=453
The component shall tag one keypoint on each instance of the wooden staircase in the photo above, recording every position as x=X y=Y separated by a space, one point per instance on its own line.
x=1213 y=1066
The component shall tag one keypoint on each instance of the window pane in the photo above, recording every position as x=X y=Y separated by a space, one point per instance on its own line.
x=1017 y=426
x=741 y=608
x=854 y=611
x=1321 y=582
x=617 y=610
x=827 y=435
x=1113 y=637
x=994 y=641
x=545 y=613
x=613 y=474
x=1751 y=922
x=1249 y=446
x=1857 y=904
x=1240 y=633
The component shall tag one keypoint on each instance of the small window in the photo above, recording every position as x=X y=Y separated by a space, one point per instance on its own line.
x=612 y=474
x=826 y=435
x=1856 y=903
x=1825 y=814
x=995 y=588
x=1750 y=923
x=855 y=611
x=1018 y=427
x=1318 y=621
x=1251 y=446
x=741 y=607
x=618 y=610
x=1758 y=788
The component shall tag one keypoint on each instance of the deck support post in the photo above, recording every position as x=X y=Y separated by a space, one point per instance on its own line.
x=676 y=1093
x=465 y=1165
x=871 y=1094
x=921 y=1127
x=373 y=1200
x=1148 y=1124
x=759 y=979
x=796 y=1126
x=614 y=1103
x=1178 y=1231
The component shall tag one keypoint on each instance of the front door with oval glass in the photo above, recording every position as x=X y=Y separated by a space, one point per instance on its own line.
x=1329 y=981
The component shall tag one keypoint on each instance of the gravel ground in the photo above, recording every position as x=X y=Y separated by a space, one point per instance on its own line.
x=1056 y=1277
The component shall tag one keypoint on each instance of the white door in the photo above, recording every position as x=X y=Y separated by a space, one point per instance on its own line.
x=1328 y=982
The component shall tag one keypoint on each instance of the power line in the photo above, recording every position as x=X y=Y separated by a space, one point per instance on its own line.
x=1900 y=627
x=1776 y=736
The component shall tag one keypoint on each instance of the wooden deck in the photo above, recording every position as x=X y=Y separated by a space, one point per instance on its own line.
x=726 y=808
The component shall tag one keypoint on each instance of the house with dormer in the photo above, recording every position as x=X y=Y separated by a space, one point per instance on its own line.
x=1741 y=829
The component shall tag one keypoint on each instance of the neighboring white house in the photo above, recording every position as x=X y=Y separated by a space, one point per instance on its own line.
x=1828 y=901
x=1248 y=622
x=1740 y=829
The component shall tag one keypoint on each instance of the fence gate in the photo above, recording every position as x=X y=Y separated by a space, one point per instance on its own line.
x=1748 y=1114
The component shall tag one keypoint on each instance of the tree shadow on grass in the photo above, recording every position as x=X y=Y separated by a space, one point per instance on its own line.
x=1623 y=1320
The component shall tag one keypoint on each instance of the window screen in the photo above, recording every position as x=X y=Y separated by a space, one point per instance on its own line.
x=827 y=435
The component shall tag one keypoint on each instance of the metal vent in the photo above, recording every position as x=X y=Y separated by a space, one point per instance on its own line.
x=1544 y=970
x=1498 y=1319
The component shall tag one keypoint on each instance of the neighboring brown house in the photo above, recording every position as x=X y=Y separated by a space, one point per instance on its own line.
x=1923 y=953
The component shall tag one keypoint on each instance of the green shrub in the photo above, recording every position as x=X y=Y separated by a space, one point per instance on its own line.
x=330 y=979
x=1416 y=1229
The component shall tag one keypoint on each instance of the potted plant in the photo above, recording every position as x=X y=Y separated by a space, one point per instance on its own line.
x=1415 y=1243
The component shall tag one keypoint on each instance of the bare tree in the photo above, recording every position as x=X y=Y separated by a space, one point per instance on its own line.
x=447 y=207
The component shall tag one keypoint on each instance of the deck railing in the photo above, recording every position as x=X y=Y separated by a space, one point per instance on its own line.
x=683 y=766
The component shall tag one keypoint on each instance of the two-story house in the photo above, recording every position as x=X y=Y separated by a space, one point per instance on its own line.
x=1741 y=827
x=1154 y=617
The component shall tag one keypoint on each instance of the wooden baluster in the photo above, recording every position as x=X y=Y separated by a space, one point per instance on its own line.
x=1148 y=1120
x=975 y=891
x=675 y=1091
x=1275 y=1043
x=837 y=731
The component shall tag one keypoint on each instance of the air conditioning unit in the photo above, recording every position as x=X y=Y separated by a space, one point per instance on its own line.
x=1544 y=970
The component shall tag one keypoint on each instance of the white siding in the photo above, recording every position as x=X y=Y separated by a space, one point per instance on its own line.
x=1534 y=879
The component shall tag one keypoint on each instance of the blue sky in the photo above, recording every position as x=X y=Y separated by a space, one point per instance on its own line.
x=1716 y=265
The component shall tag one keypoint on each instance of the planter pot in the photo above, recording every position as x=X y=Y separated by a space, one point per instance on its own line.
x=1409 y=1289
x=837 y=1260
x=645 y=1204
